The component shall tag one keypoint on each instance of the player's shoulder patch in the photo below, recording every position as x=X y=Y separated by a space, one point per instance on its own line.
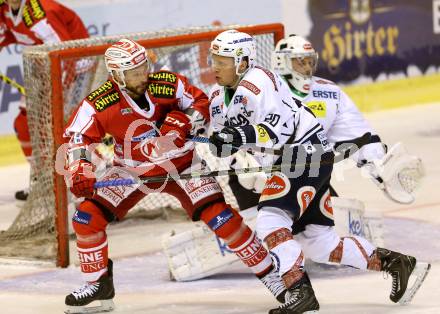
x=214 y=94
x=270 y=75
x=162 y=89
x=104 y=96
x=323 y=81
x=250 y=86
x=33 y=12
x=163 y=76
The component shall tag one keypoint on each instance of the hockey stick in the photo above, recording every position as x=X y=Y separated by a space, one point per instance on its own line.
x=343 y=150
x=271 y=151
x=13 y=83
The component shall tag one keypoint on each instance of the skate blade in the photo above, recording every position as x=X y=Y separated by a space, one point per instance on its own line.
x=106 y=306
x=420 y=271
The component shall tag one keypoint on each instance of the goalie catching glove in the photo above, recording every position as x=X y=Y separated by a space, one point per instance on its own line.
x=397 y=174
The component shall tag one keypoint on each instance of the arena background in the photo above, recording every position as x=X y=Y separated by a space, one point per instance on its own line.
x=387 y=53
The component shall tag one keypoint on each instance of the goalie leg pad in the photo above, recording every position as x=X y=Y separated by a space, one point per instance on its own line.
x=89 y=225
x=197 y=253
x=228 y=225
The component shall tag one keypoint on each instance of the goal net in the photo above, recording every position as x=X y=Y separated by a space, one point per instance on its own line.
x=57 y=78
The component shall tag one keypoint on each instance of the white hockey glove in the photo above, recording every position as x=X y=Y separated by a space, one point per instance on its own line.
x=250 y=181
x=397 y=174
x=198 y=122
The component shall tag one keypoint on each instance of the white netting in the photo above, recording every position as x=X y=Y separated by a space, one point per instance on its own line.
x=33 y=233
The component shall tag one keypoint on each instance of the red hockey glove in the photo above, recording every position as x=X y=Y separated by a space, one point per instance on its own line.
x=177 y=123
x=83 y=178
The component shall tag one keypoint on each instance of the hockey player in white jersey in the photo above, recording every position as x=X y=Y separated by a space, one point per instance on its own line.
x=251 y=107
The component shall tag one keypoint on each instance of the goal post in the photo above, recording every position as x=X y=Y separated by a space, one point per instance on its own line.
x=57 y=78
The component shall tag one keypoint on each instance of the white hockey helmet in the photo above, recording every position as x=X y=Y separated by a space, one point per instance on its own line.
x=287 y=49
x=124 y=55
x=237 y=45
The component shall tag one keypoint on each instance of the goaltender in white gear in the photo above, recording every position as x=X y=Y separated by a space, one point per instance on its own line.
x=396 y=172
x=196 y=253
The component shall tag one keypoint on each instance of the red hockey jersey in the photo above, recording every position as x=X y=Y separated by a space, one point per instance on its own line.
x=110 y=110
x=39 y=22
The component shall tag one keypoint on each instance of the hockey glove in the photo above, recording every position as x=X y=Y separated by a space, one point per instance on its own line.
x=250 y=181
x=82 y=178
x=176 y=124
x=227 y=141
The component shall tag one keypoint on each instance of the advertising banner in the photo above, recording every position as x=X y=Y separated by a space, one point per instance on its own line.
x=365 y=38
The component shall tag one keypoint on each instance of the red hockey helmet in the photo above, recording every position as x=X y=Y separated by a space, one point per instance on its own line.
x=124 y=55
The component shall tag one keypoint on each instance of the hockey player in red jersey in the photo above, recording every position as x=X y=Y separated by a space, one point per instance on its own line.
x=149 y=115
x=35 y=22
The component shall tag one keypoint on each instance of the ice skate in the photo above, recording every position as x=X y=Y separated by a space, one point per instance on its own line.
x=403 y=269
x=101 y=290
x=275 y=284
x=299 y=299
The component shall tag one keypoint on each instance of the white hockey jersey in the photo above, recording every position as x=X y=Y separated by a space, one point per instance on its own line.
x=340 y=117
x=264 y=100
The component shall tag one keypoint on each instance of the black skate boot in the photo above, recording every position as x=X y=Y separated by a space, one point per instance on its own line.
x=101 y=290
x=300 y=298
x=275 y=284
x=401 y=267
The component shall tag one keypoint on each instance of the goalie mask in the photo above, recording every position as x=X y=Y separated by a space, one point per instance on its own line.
x=237 y=45
x=295 y=47
x=124 y=55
